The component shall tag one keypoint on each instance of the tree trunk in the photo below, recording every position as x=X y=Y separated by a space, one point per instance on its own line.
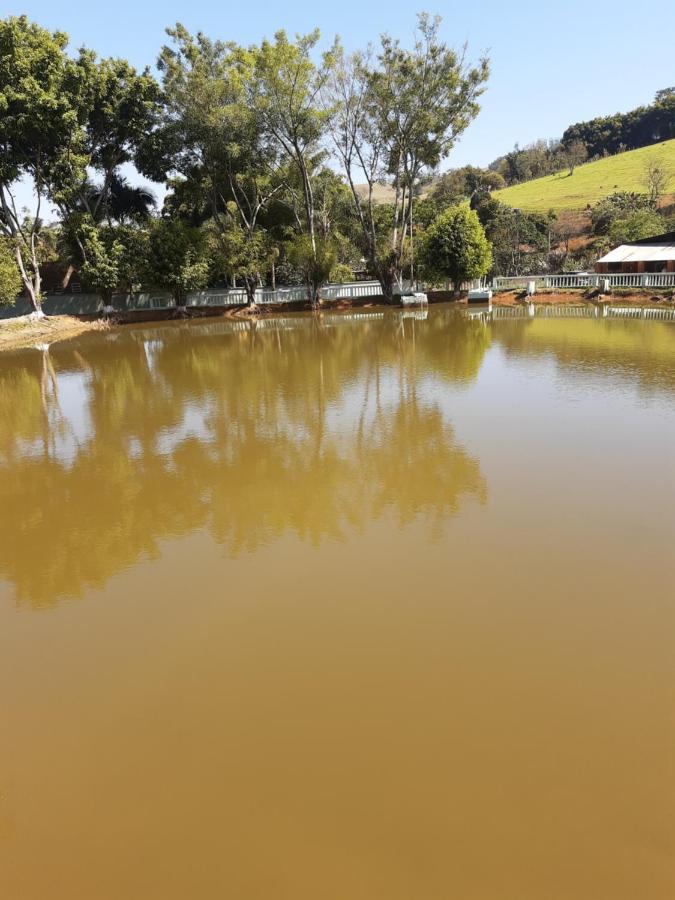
x=387 y=278
x=30 y=283
x=313 y=290
x=250 y=285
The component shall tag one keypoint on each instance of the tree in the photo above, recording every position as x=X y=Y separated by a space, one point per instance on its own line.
x=664 y=95
x=119 y=112
x=40 y=102
x=455 y=247
x=575 y=154
x=10 y=279
x=640 y=224
x=620 y=205
x=219 y=146
x=467 y=183
x=656 y=178
x=519 y=239
x=178 y=258
x=243 y=254
x=315 y=260
x=116 y=257
x=284 y=89
x=102 y=260
x=395 y=118
x=125 y=203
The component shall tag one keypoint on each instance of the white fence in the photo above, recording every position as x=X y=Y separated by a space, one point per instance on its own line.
x=546 y=282
x=237 y=296
x=589 y=311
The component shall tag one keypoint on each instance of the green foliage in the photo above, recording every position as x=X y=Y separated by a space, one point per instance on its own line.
x=455 y=247
x=101 y=260
x=627 y=131
x=116 y=257
x=642 y=223
x=10 y=279
x=621 y=205
x=396 y=117
x=519 y=240
x=467 y=183
x=340 y=274
x=40 y=98
x=241 y=254
x=534 y=161
x=39 y=91
x=316 y=260
x=118 y=110
x=178 y=258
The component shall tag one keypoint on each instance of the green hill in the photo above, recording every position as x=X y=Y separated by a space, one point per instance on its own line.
x=590 y=182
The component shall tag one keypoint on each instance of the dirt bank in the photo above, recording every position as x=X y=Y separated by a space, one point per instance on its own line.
x=26 y=331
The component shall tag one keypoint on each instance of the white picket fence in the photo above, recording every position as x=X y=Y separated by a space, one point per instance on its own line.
x=546 y=282
x=589 y=311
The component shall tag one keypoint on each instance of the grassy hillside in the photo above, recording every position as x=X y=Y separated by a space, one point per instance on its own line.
x=590 y=182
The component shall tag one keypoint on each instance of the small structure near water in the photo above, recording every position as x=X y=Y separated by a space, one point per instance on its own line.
x=654 y=254
x=480 y=295
x=415 y=298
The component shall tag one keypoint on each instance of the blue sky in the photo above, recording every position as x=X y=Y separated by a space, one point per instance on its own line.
x=552 y=63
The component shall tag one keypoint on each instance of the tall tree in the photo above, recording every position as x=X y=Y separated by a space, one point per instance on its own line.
x=394 y=117
x=40 y=116
x=218 y=144
x=285 y=91
x=178 y=258
x=120 y=112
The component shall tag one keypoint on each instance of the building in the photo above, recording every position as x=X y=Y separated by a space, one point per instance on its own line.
x=654 y=254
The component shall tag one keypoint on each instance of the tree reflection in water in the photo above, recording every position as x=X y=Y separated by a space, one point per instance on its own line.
x=317 y=426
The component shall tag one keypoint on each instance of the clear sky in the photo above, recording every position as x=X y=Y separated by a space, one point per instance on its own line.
x=553 y=63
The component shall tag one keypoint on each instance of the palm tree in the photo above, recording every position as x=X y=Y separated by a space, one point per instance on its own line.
x=123 y=202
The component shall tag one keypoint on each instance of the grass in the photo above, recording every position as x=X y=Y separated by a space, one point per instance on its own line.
x=591 y=182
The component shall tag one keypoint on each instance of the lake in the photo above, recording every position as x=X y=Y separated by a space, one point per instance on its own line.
x=361 y=606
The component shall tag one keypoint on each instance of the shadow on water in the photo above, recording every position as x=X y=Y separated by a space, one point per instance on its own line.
x=311 y=426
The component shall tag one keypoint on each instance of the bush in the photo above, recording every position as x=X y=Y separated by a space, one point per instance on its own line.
x=455 y=247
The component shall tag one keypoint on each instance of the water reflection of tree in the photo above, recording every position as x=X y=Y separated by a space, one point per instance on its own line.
x=317 y=430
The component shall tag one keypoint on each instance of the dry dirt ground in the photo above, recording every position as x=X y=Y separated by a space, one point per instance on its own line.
x=26 y=331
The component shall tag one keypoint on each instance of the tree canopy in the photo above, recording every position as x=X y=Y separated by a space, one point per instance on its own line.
x=455 y=247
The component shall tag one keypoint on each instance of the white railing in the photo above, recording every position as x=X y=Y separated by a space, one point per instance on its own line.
x=589 y=311
x=299 y=294
x=664 y=314
x=595 y=279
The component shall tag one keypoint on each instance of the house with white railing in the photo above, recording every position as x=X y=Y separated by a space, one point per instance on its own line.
x=654 y=255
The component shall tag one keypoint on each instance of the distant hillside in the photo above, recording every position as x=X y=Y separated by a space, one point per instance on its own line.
x=590 y=182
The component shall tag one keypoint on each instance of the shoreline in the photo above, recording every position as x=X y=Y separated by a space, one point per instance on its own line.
x=25 y=332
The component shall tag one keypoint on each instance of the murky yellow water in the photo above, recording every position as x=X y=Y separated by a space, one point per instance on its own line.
x=355 y=608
